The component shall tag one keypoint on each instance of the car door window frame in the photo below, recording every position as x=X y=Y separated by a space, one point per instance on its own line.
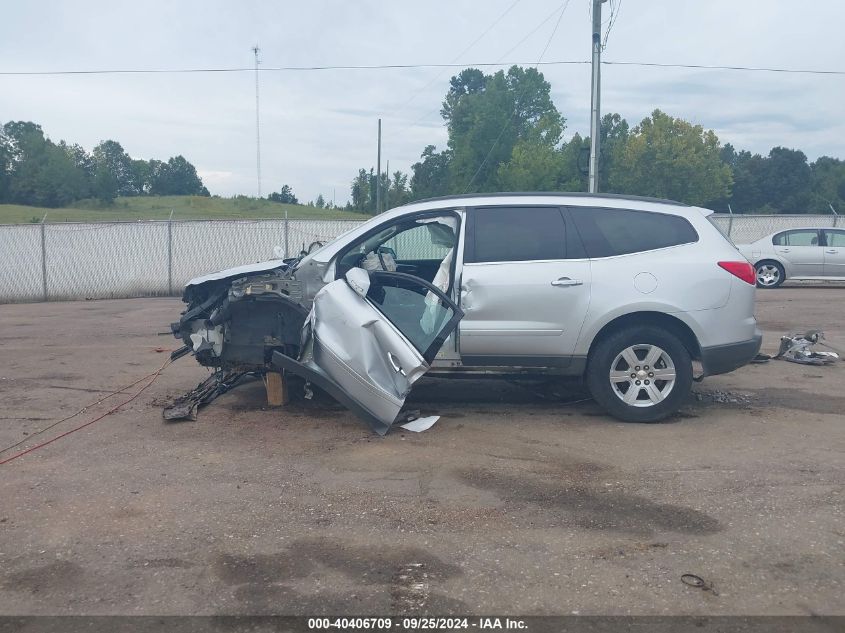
x=449 y=211
x=834 y=231
x=785 y=234
x=573 y=248
x=430 y=352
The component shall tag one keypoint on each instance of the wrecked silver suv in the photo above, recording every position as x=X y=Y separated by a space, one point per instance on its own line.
x=626 y=292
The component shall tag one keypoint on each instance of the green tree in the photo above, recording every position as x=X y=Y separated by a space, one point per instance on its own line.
x=361 y=192
x=5 y=165
x=486 y=120
x=113 y=168
x=828 y=185
x=176 y=177
x=285 y=195
x=431 y=175
x=37 y=171
x=614 y=135
x=788 y=180
x=671 y=158
x=748 y=192
x=532 y=167
x=398 y=192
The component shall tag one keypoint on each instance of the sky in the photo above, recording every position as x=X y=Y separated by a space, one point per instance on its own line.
x=319 y=127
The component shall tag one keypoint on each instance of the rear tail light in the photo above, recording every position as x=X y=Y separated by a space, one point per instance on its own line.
x=743 y=270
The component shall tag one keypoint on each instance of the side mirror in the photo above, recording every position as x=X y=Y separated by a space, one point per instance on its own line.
x=359 y=280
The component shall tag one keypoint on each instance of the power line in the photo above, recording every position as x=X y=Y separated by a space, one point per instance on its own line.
x=761 y=69
x=459 y=55
x=264 y=69
x=517 y=102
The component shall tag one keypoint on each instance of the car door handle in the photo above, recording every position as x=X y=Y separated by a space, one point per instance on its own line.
x=832 y=252
x=566 y=281
x=784 y=250
x=395 y=362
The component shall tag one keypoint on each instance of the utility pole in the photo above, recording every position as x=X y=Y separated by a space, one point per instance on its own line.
x=255 y=50
x=378 y=172
x=387 y=182
x=595 y=108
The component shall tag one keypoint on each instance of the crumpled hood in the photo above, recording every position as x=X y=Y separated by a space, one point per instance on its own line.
x=238 y=271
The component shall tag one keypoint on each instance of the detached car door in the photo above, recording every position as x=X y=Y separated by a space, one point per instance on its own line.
x=369 y=337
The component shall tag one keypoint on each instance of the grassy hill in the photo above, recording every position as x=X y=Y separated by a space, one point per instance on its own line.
x=159 y=208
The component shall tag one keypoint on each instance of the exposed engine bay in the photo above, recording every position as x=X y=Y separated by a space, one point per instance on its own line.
x=240 y=323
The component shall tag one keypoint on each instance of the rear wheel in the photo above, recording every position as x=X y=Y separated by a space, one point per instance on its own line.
x=769 y=274
x=640 y=373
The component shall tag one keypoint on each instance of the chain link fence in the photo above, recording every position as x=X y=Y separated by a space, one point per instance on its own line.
x=110 y=260
x=742 y=229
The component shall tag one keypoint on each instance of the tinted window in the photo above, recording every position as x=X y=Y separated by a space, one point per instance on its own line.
x=796 y=238
x=517 y=234
x=607 y=232
x=835 y=238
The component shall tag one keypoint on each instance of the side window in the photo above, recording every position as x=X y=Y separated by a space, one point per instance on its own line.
x=517 y=234
x=419 y=246
x=608 y=232
x=797 y=238
x=423 y=317
x=836 y=238
x=420 y=243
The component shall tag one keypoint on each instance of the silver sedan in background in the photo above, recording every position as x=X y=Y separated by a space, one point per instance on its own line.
x=805 y=253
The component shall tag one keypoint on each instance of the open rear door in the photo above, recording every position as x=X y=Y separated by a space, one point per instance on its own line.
x=369 y=337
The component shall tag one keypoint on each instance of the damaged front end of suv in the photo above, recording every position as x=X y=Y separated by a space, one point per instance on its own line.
x=238 y=324
x=364 y=338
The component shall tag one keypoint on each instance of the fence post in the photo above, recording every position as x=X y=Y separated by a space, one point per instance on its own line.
x=286 y=234
x=44 y=256
x=170 y=254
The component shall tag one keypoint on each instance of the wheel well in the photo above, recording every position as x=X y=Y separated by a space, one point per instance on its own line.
x=660 y=319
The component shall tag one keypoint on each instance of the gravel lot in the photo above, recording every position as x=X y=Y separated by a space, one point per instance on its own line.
x=514 y=502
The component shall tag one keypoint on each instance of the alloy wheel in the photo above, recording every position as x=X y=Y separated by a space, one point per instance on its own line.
x=768 y=275
x=642 y=375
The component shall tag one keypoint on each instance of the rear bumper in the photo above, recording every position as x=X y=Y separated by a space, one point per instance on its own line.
x=720 y=359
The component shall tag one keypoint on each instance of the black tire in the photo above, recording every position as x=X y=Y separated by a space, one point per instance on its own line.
x=640 y=338
x=781 y=274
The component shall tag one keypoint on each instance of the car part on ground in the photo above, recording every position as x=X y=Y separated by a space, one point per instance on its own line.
x=185 y=407
x=798 y=348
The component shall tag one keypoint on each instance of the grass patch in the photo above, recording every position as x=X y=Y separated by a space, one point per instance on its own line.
x=159 y=208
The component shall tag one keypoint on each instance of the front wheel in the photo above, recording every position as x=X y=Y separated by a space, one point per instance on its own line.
x=640 y=374
x=769 y=274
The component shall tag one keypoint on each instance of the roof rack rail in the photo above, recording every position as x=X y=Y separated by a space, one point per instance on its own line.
x=564 y=194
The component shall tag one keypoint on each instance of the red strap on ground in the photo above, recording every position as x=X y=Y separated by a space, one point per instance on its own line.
x=153 y=378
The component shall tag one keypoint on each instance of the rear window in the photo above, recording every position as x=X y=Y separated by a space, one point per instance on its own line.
x=518 y=234
x=608 y=232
